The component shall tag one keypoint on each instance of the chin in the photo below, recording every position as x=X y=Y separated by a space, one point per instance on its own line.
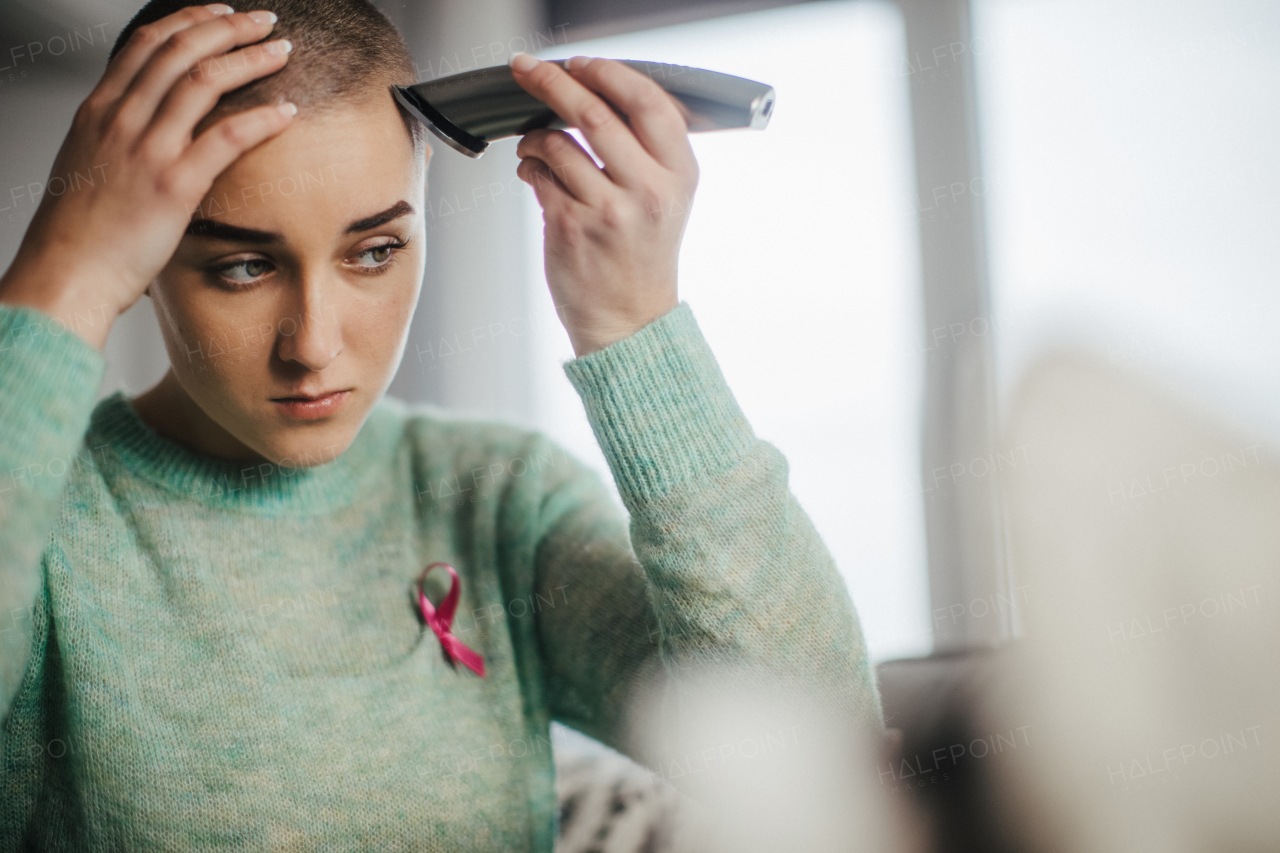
x=308 y=448
x=306 y=444
x=308 y=441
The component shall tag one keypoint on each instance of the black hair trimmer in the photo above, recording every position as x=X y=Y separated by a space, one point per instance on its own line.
x=472 y=109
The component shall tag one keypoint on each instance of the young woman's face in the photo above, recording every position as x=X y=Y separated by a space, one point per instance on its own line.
x=297 y=278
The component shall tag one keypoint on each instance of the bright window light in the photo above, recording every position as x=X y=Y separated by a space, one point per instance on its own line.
x=1131 y=169
x=799 y=262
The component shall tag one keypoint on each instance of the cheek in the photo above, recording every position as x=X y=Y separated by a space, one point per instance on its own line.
x=211 y=348
x=378 y=324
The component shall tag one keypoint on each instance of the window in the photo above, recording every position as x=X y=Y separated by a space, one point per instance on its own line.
x=1130 y=166
x=800 y=264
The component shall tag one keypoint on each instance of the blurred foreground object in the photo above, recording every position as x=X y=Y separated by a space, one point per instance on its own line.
x=764 y=767
x=1148 y=540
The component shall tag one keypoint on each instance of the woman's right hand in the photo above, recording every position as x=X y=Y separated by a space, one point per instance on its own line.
x=91 y=251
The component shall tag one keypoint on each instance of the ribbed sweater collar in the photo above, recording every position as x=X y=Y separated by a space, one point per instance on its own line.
x=115 y=427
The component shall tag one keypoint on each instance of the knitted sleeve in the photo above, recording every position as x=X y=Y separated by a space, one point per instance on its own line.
x=719 y=562
x=49 y=377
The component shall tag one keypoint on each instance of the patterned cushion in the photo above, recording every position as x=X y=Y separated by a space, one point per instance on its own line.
x=610 y=804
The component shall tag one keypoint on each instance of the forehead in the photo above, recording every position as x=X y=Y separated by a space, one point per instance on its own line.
x=332 y=163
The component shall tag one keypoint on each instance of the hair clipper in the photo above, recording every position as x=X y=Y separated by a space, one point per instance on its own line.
x=472 y=109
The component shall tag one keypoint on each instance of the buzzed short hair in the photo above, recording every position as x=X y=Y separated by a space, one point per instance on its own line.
x=341 y=49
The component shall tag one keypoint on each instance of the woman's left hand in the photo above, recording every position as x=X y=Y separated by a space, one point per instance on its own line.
x=612 y=235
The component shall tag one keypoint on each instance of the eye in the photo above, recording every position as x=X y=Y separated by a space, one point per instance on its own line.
x=243 y=272
x=381 y=256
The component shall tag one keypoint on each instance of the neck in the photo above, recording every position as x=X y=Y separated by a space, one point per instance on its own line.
x=169 y=410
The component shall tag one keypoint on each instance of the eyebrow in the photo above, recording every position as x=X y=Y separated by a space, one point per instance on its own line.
x=231 y=233
x=236 y=234
x=395 y=211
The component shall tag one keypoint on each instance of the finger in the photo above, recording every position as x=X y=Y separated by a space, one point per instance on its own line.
x=181 y=55
x=554 y=197
x=654 y=116
x=143 y=44
x=220 y=145
x=192 y=98
x=567 y=160
x=623 y=155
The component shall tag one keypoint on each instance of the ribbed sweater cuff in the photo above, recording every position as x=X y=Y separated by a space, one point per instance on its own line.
x=660 y=407
x=49 y=377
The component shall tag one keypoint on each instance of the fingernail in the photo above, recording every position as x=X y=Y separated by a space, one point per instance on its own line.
x=288 y=108
x=523 y=63
x=280 y=46
x=219 y=8
x=263 y=17
x=577 y=62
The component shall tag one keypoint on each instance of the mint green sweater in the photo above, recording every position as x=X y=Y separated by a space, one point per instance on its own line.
x=200 y=654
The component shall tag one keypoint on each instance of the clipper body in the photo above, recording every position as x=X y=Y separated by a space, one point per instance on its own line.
x=472 y=109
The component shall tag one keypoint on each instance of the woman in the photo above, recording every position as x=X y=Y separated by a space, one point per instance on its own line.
x=217 y=639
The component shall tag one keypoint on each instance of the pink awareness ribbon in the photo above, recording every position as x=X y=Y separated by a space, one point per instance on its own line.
x=440 y=619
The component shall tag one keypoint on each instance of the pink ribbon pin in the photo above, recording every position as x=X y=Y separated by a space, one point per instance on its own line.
x=441 y=618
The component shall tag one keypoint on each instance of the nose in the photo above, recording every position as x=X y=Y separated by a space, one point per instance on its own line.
x=312 y=334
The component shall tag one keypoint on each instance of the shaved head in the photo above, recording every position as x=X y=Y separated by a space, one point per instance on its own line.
x=343 y=51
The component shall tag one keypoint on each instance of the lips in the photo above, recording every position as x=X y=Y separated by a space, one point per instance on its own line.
x=308 y=397
x=310 y=407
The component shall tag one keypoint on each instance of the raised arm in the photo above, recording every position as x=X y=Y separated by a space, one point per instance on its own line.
x=719 y=564
x=48 y=379
x=93 y=246
x=730 y=569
